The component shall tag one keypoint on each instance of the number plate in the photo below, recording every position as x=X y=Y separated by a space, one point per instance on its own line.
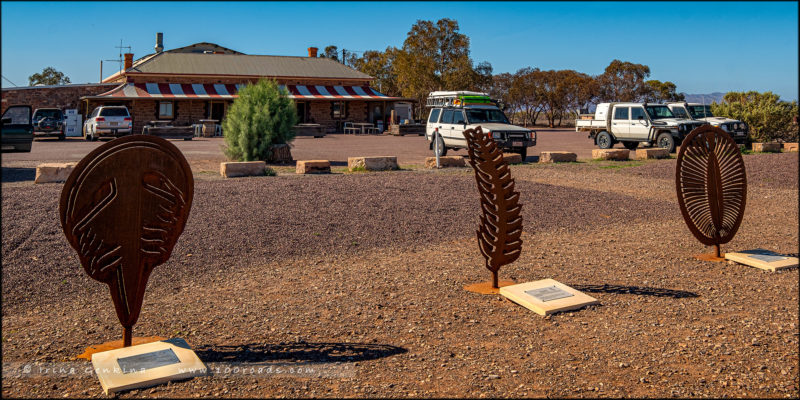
x=114 y=123
x=516 y=144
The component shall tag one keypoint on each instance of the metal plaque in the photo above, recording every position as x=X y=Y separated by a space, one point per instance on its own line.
x=768 y=257
x=500 y=225
x=548 y=293
x=122 y=209
x=141 y=362
x=711 y=183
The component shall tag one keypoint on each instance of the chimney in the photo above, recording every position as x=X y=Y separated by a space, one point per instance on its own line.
x=128 y=61
x=312 y=51
x=159 y=42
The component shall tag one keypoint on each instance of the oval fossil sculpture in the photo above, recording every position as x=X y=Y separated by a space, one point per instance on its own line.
x=122 y=209
x=712 y=185
x=500 y=224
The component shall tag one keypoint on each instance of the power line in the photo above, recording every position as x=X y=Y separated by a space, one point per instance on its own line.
x=9 y=81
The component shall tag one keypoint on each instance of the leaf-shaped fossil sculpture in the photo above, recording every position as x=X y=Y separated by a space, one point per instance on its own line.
x=500 y=223
x=122 y=209
x=712 y=185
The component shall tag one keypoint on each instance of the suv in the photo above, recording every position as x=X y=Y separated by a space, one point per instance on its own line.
x=634 y=124
x=48 y=122
x=17 y=133
x=107 y=121
x=702 y=112
x=454 y=112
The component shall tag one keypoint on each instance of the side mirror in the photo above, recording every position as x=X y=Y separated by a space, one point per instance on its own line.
x=6 y=121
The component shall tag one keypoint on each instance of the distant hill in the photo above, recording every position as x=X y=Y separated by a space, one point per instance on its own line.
x=704 y=98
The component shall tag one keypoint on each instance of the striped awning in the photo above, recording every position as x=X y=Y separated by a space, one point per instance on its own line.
x=229 y=91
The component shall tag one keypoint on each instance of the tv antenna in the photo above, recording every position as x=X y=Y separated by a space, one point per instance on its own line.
x=119 y=60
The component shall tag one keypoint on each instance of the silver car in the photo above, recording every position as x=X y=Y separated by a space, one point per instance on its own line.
x=108 y=121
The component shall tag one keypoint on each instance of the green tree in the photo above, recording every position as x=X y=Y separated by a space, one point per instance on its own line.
x=331 y=52
x=261 y=117
x=434 y=56
x=48 y=76
x=661 y=92
x=379 y=65
x=623 y=81
x=765 y=114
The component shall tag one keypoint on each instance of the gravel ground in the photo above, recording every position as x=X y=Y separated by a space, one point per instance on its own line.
x=360 y=277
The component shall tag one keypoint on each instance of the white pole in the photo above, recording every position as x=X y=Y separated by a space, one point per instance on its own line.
x=436 y=147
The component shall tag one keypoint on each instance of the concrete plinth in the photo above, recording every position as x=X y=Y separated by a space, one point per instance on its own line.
x=645 y=154
x=313 y=167
x=770 y=147
x=381 y=163
x=53 y=172
x=547 y=296
x=445 y=162
x=611 y=154
x=557 y=156
x=513 y=158
x=244 y=168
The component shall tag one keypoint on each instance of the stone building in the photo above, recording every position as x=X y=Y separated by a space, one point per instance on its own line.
x=200 y=81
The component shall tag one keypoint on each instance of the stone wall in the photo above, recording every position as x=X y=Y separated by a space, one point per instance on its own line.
x=61 y=96
x=321 y=112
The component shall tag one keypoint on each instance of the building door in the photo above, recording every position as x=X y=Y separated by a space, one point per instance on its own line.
x=217 y=111
x=301 y=112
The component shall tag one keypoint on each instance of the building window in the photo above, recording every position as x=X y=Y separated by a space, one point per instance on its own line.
x=338 y=109
x=165 y=109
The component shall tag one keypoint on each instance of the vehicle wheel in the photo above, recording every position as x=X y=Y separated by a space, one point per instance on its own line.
x=523 y=152
x=630 y=145
x=442 y=149
x=604 y=140
x=94 y=136
x=85 y=134
x=666 y=141
x=187 y=138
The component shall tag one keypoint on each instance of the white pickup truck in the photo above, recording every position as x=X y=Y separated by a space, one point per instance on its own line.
x=634 y=123
x=702 y=112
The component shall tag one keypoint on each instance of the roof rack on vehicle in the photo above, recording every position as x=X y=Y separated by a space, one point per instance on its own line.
x=458 y=99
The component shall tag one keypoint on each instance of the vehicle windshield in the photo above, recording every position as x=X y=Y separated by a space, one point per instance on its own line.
x=680 y=112
x=659 y=112
x=39 y=114
x=476 y=116
x=700 y=111
x=113 y=112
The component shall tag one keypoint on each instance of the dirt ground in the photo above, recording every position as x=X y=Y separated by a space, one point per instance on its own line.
x=351 y=285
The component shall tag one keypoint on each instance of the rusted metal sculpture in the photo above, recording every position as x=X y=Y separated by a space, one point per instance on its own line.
x=500 y=230
x=712 y=186
x=122 y=209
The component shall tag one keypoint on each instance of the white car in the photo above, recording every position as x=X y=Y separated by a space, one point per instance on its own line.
x=108 y=121
x=702 y=112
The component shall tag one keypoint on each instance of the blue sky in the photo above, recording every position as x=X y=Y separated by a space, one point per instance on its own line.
x=701 y=47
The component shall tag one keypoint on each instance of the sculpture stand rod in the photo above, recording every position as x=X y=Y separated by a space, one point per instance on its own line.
x=716 y=251
x=127 y=336
x=495 y=283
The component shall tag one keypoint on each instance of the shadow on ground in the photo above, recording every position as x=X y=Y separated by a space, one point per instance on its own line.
x=11 y=174
x=637 y=290
x=309 y=352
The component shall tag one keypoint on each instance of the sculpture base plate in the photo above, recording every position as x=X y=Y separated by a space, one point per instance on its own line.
x=710 y=257
x=116 y=344
x=547 y=296
x=764 y=259
x=486 y=287
x=146 y=365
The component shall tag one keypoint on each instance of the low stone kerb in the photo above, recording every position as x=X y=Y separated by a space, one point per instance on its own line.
x=610 y=154
x=244 y=168
x=53 y=172
x=372 y=163
x=644 y=154
x=557 y=156
x=313 y=167
x=771 y=147
x=445 y=162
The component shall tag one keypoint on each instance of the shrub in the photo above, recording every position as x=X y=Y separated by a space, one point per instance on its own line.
x=262 y=116
x=768 y=117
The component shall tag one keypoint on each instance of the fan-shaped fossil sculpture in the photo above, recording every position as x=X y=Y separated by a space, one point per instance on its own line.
x=122 y=209
x=500 y=229
x=712 y=186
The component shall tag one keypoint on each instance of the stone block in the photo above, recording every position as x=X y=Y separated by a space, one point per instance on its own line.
x=557 y=156
x=53 y=172
x=610 y=154
x=512 y=158
x=313 y=167
x=771 y=147
x=245 y=168
x=445 y=162
x=372 y=163
x=644 y=154
x=790 y=146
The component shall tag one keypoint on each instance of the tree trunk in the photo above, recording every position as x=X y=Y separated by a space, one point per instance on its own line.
x=280 y=154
